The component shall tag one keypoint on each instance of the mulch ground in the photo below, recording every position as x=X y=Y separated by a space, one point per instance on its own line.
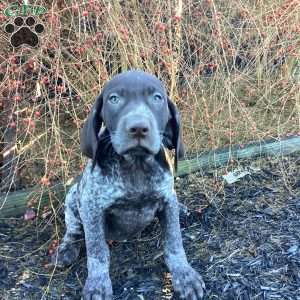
x=244 y=238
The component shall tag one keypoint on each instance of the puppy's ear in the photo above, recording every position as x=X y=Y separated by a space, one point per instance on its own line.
x=173 y=133
x=89 y=138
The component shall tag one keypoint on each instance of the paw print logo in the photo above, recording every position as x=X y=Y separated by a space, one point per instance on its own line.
x=24 y=32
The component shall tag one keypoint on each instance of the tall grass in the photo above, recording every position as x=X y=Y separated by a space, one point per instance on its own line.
x=232 y=67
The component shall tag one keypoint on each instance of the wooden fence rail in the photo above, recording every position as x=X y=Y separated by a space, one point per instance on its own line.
x=14 y=204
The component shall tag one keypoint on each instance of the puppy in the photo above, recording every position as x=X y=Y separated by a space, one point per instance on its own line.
x=127 y=182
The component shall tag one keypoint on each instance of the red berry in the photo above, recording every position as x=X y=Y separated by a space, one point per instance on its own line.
x=75 y=8
x=13 y=125
x=45 y=80
x=37 y=114
x=177 y=18
x=18 y=98
x=31 y=124
x=45 y=181
x=14 y=59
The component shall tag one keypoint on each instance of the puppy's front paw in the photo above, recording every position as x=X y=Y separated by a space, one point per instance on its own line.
x=188 y=283
x=65 y=254
x=98 y=288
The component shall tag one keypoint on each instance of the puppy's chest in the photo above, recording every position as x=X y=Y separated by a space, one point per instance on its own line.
x=138 y=190
x=140 y=198
x=130 y=191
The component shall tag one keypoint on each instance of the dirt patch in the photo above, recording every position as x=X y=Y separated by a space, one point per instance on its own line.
x=244 y=239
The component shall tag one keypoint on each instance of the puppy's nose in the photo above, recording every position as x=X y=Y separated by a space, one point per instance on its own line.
x=138 y=129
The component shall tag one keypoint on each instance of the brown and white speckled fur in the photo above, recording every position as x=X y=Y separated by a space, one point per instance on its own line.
x=118 y=197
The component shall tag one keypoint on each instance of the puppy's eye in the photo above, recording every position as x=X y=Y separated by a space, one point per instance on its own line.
x=114 y=99
x=157 y=97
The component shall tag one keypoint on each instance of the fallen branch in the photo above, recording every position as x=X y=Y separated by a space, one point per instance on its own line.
x=223 y=156
x=14 y=204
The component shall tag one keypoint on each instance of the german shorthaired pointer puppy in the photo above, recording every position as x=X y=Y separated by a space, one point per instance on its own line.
x=127 y=182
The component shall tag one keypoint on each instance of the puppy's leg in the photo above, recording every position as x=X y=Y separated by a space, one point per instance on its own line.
x=98 y=284
x=186 y=281
x=69 y=249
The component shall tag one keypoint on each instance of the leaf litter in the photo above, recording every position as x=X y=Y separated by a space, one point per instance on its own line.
x=243 y=237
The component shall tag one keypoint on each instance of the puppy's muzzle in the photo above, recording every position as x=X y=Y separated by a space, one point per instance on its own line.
x=136 y=134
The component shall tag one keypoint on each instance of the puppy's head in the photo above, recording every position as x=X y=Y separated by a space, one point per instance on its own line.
x=138 y=118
